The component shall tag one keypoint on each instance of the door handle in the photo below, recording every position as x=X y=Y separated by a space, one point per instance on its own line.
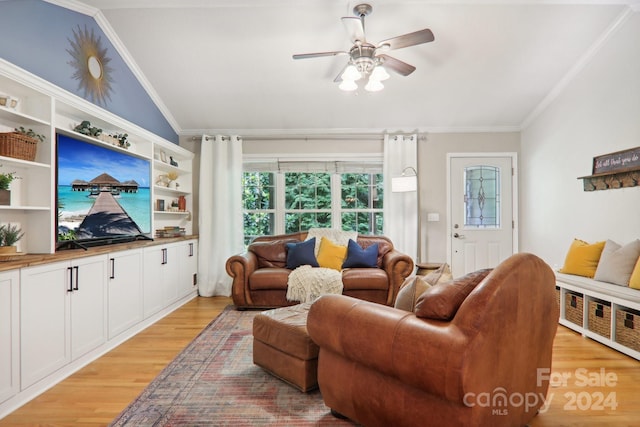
x=70 y=270
x=458 y=236
x=75 y=287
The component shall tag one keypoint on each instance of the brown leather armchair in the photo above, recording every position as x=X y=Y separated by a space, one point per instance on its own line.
x=486 y=366
x=260 y=276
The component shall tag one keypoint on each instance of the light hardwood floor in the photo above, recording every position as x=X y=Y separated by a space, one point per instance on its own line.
x=97 y=393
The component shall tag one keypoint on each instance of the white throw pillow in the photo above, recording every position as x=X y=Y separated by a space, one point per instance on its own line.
x=617 y=262
x=339 y=237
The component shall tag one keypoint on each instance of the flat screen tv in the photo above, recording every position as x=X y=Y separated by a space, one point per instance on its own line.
x=102 y=194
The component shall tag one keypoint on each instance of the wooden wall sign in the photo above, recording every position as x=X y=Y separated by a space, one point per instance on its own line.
x=618 y=161
x=616 y=170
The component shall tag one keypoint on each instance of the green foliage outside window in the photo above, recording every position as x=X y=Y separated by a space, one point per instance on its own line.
x=258 y=189
x=307 y=190
x=308 y=202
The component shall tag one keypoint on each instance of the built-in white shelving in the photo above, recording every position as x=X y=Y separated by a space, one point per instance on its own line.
x=48 y=110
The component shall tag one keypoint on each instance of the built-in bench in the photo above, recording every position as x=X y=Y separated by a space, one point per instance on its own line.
x=604 y=312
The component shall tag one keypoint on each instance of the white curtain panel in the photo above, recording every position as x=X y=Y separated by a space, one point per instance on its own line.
x=220 y=225
x=400 y=209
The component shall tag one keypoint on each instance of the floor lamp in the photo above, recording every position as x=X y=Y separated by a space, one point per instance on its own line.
x=404 y=184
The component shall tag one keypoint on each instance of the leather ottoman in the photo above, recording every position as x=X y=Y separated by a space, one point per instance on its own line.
x=281 y=346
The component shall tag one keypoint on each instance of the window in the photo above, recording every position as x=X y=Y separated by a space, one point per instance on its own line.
x=482 y=197
x=258 y=195
x=307 y=201
x=277 y=202
x=361 y=202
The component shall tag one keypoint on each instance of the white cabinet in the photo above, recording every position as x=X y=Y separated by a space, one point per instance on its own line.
x=124 y=290
x=62 y=314
x=9 y=330
x=88 y=304
x=169 y=274
x=57 y=316
x=160 y=278
x=188 y=267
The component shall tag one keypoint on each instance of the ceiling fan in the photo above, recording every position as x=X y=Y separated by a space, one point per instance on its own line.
x=368 y=61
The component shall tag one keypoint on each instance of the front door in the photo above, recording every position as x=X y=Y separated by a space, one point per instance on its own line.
x=481 y=222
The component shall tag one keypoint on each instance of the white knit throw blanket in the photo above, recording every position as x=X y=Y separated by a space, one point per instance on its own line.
x=306 y=283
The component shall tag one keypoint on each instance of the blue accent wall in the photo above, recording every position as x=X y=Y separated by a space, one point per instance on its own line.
x=36 y=36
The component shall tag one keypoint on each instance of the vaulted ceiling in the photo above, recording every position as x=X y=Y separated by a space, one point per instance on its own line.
x=226 y=65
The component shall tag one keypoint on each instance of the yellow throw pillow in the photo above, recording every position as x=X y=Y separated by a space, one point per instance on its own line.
x=331 y=255
x=634 y=281
x=582 y=258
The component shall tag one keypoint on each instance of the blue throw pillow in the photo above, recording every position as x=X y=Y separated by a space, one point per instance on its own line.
x=358 y=257
x=301 y=254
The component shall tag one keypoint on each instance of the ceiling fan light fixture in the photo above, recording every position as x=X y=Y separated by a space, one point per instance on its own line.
x=374 y=86
x=379 y=74
x=348 y=85
x=351 y=73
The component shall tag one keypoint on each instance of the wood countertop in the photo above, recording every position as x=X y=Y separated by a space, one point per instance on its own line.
x=29 y=260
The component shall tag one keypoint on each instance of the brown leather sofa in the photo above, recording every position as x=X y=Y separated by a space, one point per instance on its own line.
x=260 y=276
x=487 y=366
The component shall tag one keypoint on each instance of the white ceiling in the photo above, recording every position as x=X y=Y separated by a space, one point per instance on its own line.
x=226 y=65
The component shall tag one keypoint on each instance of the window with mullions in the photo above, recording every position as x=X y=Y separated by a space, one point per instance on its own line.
x=258 y=197
x=482 y=197
x=288 y=202
x=361 y=202
x=307 y=201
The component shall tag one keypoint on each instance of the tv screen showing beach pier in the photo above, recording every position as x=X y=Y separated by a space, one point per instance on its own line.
x=101 y=192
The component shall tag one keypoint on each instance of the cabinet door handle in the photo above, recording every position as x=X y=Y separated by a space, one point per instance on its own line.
x=76 y=288
x=113 y=268
x=70 y=288
x=164 y=256
x=190 y=249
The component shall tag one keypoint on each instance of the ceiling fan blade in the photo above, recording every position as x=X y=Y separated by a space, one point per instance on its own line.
x=406 y=40
x=354 y=28
x=396 y=65
x=319 y=54
x=338 y=78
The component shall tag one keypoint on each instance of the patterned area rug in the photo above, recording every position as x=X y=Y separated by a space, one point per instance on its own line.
x=213 y=381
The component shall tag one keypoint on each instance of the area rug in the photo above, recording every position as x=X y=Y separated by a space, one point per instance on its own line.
x=213 y=382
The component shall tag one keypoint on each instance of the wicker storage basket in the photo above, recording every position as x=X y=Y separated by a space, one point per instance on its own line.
x=628 y=328
x=600 y=317
x=18 y=146
x=573 y=311
x=558 y=296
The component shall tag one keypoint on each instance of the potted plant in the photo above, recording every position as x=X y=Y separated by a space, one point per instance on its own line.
x=9 y=236
x=122 y=140
x=5 y=193
x=30 y=133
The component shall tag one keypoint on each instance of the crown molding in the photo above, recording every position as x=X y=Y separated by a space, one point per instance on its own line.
x=76 y=6
x=348 y=132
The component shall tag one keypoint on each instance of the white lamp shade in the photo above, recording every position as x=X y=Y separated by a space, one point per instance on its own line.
x=404 y=184
x=379 y=74
x=348 y=85
x=351 y=73
x=374 y=86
